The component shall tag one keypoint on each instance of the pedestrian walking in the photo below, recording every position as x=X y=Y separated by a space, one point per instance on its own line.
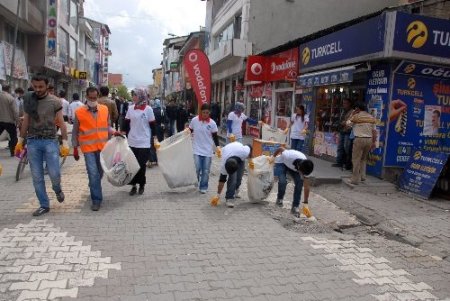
x=41 y=113
x=299 y=128
x=9 y=117
x=139 y=124
x=364 y=129
x=182 y=117
x=215 y=112
x=111 y=105
x=343 y=159
x=171 y=113
x=205 y=137
x=91 y=131
x=299 y=167
x=234 y=122
x=65 y=105
x=19 y=100
x=74 y=105
x=232 y=166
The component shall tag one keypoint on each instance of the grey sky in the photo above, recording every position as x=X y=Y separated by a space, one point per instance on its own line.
x=138 y=29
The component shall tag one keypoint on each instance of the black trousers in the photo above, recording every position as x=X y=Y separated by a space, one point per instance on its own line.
x=142 y=156
x=12 y=131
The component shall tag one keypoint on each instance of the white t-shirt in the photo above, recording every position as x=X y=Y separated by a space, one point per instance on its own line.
x=288 y=157
x=233 y=149
x=72 y=108
x=140 y=132
x=298 y=126
x=203 y=143
x=236 y=127
x=65 y=107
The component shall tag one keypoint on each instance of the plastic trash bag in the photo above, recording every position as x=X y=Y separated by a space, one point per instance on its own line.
x=176 y=160
x=260 y=179
x=118 y=162
x=273 y=134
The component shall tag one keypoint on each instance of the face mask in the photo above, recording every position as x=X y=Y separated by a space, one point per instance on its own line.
x=92 y=104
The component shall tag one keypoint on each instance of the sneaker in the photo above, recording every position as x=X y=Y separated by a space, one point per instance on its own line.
x=133 y=191
x=279 y=203
x=60 y=196
x=202 y=191
x=141 y=189
x=41 y=211
x=230 y=203
x=237 y=195
x=295 y=211
x=95 y=207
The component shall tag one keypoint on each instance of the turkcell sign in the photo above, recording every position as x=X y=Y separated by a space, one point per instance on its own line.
x=364 y=40
x=424 y=38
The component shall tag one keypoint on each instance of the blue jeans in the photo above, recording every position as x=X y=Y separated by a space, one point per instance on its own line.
x=297 y=144
x=343 y=150
x=40 y=150
x=95 y=174
x=202 y=167
x=280 y=171
x=234 y=181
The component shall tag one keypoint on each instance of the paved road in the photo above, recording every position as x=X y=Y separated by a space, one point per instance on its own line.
x=171 y=245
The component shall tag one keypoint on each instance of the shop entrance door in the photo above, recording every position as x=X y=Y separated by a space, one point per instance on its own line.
x=284 y=99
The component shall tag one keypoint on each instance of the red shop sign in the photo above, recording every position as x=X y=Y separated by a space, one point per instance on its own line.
x=278 y=67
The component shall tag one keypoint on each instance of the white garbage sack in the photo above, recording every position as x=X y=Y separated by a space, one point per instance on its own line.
x=4 y=136
x=176 y=160
x=273 y=134
x=118 y=162
x=260 y=179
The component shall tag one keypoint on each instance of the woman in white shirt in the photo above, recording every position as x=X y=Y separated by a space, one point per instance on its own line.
x=139 y=124
x=299 y=127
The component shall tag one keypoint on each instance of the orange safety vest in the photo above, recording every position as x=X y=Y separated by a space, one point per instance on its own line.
x=93 y=132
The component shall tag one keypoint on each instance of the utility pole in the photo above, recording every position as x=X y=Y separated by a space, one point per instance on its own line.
x=16 y=28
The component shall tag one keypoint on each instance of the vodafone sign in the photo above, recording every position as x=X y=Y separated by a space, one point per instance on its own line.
x=198 y=68
x=282 y=66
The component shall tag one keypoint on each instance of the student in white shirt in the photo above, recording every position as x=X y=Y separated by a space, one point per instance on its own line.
x=139 y=124
x=204 y=131
x=65 y=105
x=234 y=123
x=299 y=126
x=299 y=167
x=74 y=105
x=232 y=165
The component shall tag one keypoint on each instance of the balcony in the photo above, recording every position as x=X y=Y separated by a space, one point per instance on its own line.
x=231 y=48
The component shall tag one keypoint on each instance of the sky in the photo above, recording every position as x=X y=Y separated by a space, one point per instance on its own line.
x=138 y=30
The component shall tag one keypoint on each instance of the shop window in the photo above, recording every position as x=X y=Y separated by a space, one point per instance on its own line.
x=63 y=46
x=64 y=11
x=74 y=15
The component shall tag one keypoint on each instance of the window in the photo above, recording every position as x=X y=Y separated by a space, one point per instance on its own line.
x=74 y=15
x=63 y=46
x=64 y=11
x=73 y=53
x=10 y=37
x=225 y=35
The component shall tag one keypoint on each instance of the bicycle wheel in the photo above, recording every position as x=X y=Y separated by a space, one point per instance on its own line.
x=21 y=166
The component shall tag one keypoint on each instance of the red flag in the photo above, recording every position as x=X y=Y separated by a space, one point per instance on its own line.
x=198 y=68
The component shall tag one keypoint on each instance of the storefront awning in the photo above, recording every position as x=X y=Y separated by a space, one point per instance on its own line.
x=328 y=77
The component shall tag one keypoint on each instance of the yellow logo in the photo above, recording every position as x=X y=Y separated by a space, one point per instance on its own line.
x=417 y=155
x=410 y=68
x=417 y=34
x=411 y=83
x=306 y=56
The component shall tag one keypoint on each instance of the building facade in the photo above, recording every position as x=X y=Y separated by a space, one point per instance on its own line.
x=171 y=85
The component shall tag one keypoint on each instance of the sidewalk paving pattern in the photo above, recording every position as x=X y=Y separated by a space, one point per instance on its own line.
x=172 y=245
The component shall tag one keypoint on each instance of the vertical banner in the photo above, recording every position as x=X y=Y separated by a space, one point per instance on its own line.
x=52 y=27
x=377 y=95
x=198 y=68
x=419 y=112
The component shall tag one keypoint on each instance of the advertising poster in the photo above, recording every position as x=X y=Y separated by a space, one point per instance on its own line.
x=419 y=113
x=377 y=96
x=422 y=172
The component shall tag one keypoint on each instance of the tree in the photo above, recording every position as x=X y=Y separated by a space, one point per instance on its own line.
x=122 y=90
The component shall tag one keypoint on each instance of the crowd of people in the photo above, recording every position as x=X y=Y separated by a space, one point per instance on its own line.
x=41 y=114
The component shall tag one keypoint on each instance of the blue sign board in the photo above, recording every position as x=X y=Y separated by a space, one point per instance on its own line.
x=377 y=96
x=332 y=77
x=425 y=36
x=419 y=114
x=422 y=172
x=365 y=39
